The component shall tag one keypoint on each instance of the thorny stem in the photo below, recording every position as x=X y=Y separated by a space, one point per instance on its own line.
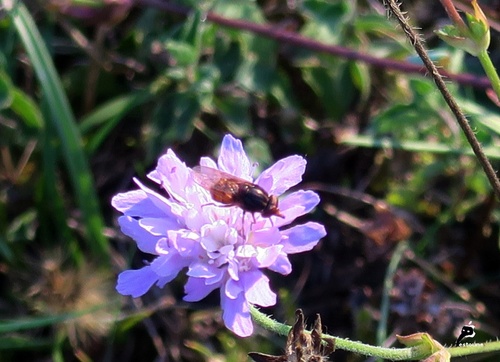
x=452 y=104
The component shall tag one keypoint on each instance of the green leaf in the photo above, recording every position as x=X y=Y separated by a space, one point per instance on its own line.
x=235 y=113
x=480 y=114
x=26 y=109
x=282 y=92
x=227 y=57
x=183 y=53
x=360 y=76
x=325 y=20
x=332 y=86
x=258 y=68
x=173 y=120
x=206 y=81
x=247 y=10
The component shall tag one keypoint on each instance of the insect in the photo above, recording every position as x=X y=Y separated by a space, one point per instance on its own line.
x=467 y=332
x=234 y=191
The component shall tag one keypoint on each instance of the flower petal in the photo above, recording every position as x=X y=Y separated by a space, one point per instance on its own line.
x=158 y=226
x=296 y=204
x=172 y=174
x=284 y=174
x=232 y=289
x=169 y=208
x=202 y=270
x=236 y=315
x=145 y=241
x=281 y=265
x=264 y=237
x=218 y=246
x=136 y=282
x=257 y=290
x=267 y=256
x=133 y=203
x=196 y=289
x=206 y=161
x=169 y=265
x=302 y=238
x=233 y=159
x=185 y=242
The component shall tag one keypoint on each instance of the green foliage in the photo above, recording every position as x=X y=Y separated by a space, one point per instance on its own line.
x=79 y=119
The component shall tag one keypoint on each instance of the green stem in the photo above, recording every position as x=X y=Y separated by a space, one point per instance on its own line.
x=474 y=348
x=490 y=70
x=394 y=354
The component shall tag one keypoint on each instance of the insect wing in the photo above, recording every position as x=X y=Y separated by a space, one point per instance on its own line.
x=208 y=177
x=222 y=186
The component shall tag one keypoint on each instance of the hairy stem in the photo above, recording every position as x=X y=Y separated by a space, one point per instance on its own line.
x=452 y=104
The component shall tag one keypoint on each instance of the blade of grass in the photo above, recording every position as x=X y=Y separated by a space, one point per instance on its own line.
x=388 y=285
x=64 y=123
x=9 y=343
x=52 y=215
x=106 y=117
x=20 y=324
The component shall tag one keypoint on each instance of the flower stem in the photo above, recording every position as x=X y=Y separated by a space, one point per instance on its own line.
x=474 y=348
x=490 y=70
x=395 y=354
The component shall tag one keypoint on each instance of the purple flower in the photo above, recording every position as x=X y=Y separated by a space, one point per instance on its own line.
x=220 y=247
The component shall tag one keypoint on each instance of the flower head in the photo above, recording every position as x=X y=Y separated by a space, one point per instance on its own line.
x=473 y=37
x=220 y=247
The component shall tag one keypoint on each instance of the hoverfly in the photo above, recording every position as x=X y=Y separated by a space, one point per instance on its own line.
x=234 y=191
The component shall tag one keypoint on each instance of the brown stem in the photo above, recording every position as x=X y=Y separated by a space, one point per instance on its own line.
x=289 y=37
x=452 y=104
